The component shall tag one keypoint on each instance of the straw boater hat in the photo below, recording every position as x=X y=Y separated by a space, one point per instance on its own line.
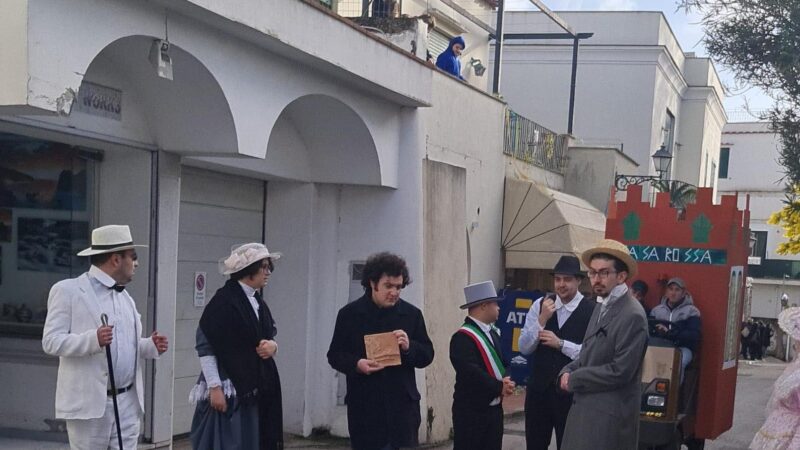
x=480 y=293
x=789 y=321
x=110 y=239
x=614 y=248
x=243 y=255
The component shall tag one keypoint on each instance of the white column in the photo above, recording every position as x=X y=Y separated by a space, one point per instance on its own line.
x=166 y=193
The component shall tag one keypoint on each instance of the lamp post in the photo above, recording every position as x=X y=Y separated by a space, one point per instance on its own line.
x=662 y=159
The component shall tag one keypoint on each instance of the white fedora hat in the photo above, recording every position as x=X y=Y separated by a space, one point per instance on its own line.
x=110 y=239
x=243 y=255
x=478 y=293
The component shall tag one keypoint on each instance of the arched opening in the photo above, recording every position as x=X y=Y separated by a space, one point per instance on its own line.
x=325 y=140
x=189 y=114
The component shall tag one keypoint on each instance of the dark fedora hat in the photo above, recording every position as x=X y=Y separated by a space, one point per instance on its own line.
x=568 y=265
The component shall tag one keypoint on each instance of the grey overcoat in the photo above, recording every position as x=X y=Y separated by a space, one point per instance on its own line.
x=606 y=380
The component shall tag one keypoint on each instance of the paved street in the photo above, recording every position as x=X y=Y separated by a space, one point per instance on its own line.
x=752 y=392
x=753 y=389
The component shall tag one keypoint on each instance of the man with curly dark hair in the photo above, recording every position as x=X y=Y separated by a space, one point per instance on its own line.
x=382 y=401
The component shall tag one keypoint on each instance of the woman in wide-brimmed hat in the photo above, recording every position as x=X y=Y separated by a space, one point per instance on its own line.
x=780 y=430
x=238 y=394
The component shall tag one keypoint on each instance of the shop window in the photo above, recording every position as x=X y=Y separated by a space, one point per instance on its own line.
x=46 y=210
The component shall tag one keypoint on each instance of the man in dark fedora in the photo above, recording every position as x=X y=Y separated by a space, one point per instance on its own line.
x=480 y=367
x=74 y=332
x=605 y=380
x=553 y=332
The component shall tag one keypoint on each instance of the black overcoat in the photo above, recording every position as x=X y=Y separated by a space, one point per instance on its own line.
x=234 y=331
x=382 y=407
x=475 y=387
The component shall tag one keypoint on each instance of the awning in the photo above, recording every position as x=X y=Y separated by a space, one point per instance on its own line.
x=540 y=225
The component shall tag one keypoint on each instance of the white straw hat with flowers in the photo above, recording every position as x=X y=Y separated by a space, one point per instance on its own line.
x=243 y=255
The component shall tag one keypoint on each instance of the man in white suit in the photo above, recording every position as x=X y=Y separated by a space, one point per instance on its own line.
x=73 y=331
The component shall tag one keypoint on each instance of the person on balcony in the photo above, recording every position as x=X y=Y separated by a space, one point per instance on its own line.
x=680 y=320
x=448 y=59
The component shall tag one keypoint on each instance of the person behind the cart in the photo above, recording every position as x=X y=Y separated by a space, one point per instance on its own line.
x=678 y=320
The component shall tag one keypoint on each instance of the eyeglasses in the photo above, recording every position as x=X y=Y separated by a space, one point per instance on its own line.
x=602 y=274
x=268 y=266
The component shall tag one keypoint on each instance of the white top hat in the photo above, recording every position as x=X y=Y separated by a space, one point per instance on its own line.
x=110 y=239
x=243 y=255
x=479 y=293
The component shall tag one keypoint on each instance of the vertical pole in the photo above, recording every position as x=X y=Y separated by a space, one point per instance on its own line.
x=152 y=298
x=575 y=43
x=498 y=46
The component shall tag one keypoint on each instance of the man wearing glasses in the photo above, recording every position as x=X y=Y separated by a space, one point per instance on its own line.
x=605 y=380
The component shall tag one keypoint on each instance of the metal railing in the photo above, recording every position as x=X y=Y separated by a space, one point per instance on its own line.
x=528 y=141
x=745 y=115
x=367 y=8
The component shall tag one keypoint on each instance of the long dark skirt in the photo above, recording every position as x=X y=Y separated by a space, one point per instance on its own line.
x=235 y=429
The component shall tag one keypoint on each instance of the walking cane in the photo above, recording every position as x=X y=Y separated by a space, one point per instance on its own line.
x=104 y=319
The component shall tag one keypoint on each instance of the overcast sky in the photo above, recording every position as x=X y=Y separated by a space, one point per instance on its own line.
x=686 y=27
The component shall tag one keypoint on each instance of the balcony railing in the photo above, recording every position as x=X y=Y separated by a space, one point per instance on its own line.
x=367 y=8
x=528 y=141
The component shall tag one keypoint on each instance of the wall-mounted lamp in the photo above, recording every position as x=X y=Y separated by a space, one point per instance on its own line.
x=477 y=66
x=160 y=59
x=662 y=159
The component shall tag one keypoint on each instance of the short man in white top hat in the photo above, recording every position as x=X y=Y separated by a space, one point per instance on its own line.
x=481 y=381
x=74 y=332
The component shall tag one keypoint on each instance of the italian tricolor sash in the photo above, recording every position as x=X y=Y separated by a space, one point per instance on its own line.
x=489 y=355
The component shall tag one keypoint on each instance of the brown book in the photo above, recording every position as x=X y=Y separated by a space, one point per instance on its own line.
x=383 y=349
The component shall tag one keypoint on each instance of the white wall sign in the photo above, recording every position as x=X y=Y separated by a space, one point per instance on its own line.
x=99 y=101
x=199 y=289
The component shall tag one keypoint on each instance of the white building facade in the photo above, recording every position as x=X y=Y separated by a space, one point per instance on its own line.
x=636 y=88
x=749 y=166
x=282 y=123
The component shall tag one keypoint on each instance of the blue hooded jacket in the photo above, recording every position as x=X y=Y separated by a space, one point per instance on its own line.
x=448 y=61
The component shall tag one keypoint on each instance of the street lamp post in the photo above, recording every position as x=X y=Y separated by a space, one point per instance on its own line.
x=662 y=159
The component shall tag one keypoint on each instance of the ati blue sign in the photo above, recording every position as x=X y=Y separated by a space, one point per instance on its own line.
x=513 y=309
x=680 y=255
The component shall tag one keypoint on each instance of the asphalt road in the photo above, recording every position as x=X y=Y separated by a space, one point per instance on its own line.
x=753 y=388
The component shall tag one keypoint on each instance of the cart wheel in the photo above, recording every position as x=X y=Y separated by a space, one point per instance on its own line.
x=695 y=444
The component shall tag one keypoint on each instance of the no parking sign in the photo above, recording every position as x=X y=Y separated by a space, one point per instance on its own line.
x=199 y=289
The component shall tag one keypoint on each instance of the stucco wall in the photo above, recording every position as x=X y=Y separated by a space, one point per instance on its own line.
x=465 y=129
x=629 y=74
x=755 y=150
x=590 y=173
x=446 y=275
